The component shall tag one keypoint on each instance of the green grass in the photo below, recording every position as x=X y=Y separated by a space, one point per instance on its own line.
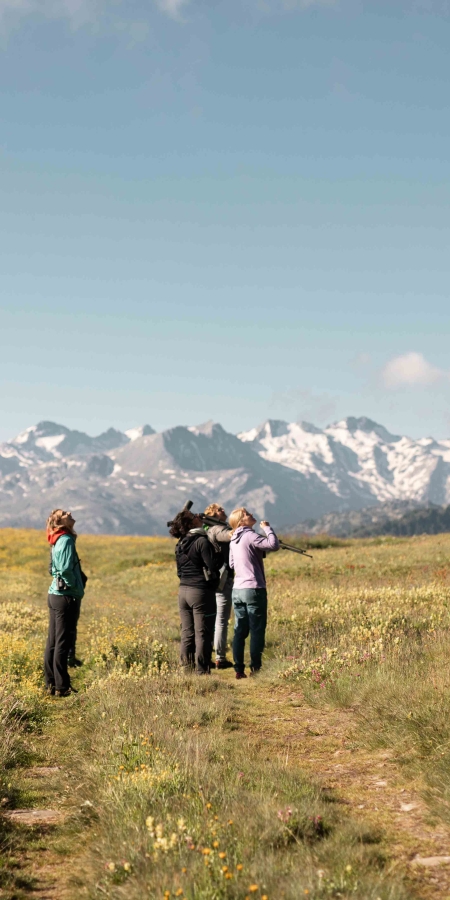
x=363 y=630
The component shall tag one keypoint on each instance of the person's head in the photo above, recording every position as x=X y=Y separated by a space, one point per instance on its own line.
x=183 y=522
x=241 y=518
x=216 y=511
x=60 y=519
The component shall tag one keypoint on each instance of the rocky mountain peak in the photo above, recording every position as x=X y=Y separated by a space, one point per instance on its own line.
x=309 y=428
x=271 y=428
x=139 y=431
x=36 y=432
x=209 y=429
x=354 y=424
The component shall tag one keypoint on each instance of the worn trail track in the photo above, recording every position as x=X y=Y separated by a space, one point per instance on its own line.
x=47 y=833
x=376 y=790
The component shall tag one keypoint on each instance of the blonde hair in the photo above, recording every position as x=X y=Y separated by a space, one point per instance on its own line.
x=235 y=518
x=56 y=520
x=213 y=509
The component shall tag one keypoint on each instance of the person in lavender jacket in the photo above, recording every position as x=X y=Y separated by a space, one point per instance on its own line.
x=247 y=551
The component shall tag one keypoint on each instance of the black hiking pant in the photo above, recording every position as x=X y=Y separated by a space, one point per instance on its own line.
x=197 y=607
x=73 y=640
x=63 y=615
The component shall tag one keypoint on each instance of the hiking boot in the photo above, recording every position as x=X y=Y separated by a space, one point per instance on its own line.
x=50 y=689
x=240 y=675
x=223 y=664
x=66 y=692
x=74 y=663
x=254 y=671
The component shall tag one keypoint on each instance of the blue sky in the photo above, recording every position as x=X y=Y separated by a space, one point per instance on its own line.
x=227 y=210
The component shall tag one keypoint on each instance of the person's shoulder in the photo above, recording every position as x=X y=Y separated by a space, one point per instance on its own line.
x=64 y=540
x=253 y=537
x=215 y=530
x=198 y=538
x=201 y=540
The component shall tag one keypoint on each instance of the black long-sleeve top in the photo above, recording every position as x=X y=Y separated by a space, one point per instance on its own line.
x=194 y=553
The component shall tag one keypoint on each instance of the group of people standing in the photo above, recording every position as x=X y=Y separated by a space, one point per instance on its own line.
x=220 y=566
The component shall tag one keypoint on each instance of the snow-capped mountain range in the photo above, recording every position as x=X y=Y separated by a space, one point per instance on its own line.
x=132 y=482
x=357 y=458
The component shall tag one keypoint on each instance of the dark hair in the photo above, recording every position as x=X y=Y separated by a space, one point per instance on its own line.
x=181 y=524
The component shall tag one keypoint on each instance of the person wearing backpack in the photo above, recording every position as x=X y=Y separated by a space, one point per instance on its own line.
x=197 y=568
x=65 y=594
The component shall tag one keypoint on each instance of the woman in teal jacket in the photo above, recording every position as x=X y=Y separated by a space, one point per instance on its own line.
x=64 y=598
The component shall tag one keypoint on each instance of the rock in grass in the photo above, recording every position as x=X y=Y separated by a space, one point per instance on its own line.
x=430 y=861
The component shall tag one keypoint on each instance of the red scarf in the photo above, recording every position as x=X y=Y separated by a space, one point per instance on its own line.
x=52 y=536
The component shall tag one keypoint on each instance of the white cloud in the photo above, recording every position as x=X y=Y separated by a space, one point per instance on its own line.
x=172 y=7
x=409 y=370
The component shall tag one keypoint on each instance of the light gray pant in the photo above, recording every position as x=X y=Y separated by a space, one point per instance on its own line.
x=224 y=604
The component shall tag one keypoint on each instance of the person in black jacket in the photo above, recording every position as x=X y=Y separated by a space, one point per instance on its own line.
x=197 y=569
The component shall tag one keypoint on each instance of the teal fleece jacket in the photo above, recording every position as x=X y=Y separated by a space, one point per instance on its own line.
x=65 y=563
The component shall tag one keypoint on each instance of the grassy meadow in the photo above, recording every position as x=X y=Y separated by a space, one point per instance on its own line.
x=327 y=775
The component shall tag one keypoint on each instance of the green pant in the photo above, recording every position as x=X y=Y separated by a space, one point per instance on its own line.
x=250 y=617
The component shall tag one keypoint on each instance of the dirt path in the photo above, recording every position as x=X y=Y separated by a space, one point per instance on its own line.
x=376 y=790
x=45 y=829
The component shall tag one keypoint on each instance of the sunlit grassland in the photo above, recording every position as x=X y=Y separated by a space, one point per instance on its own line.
x=172 y=793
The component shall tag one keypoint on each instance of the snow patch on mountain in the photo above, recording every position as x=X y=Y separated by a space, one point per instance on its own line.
x=359 y=455
x=140 y=431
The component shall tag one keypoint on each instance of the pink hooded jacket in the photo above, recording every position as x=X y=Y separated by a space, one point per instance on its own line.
x=247 y=550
